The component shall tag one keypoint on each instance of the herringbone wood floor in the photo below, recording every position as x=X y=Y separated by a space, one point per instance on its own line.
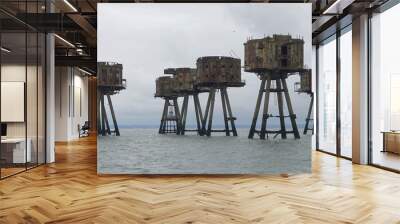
x=69 y=191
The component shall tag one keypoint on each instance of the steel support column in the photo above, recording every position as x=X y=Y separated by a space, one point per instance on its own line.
x=227 y=113
x=308 y=119
x=280 y=90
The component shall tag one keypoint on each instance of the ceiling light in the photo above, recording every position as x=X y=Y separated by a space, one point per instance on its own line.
x=65 y=41
x=84 y=71
x=327 y=11
x=70 y=5
x=80 y=51
x=337 y=7
x=5 y=50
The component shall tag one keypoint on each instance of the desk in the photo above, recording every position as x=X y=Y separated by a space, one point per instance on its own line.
x=13 y=150
x=391 y=141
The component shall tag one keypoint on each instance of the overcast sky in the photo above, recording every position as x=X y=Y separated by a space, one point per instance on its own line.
x=148 y=37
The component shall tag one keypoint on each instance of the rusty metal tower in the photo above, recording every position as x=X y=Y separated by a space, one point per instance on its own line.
x=184 y=86
x=305 y=86
x=170 y=118
x=109 y=82
x=273 y=59
x=218 y=73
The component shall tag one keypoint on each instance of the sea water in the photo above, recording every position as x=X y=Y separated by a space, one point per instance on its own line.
x=144 y=151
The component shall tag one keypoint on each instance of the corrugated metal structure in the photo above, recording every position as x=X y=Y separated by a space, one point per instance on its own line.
x=110 y=81
x=185 y=79
x=271 y=53
x=273 y=59
x=182 y=83
x=165 y=86
x=170 y=118
x=219 y=73
x=109 y=77
x=305 y=86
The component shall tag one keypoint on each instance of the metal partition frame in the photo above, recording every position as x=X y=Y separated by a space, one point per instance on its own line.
x=339 y=32
x=382 y=8
x=36 y=33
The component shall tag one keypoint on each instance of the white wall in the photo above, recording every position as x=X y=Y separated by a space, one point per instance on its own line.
x=33 y=126
x=62 y=81
x=14 y=73
x=17 y=73
x=71 y=102
x=80 y=115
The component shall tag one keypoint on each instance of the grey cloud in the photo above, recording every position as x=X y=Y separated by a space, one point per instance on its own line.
x=146 y=38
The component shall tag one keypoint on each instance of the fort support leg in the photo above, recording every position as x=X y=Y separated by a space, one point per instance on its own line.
x=161 y=130
x=166 y=122
x=113 y=116
x=106 y=127
x=306 y=128
x=100 y=119
x=199 y=116
x=256 y=111
x=206 y=112
x=210 y=118
x=182 y=117
x=177 y=115
x=167 y=126
x=199 y=107
x=106 y=118
x=99 y=116
x=292 y=116
x=184 y=114
x=231 y=118
x=265 y=110
x=280 y=108
x=227 y=132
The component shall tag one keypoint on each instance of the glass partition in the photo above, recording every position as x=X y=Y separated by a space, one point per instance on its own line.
x=14 y=153
x=31 y=97
x=22 y=88
x=327 y=96
x=385 y=89
x=346 y=93
x=41 y=96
